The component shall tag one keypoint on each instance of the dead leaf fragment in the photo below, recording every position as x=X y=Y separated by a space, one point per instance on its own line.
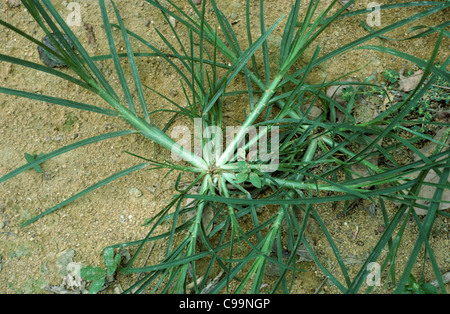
x=427 y=191
x=314 y=111
x=207 y=215
x=91 y=35
x=360 y=169
x=335 y=91
x=443 y=116
x=407 y=84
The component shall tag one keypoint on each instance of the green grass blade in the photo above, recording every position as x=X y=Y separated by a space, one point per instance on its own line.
x=425 y=231
x=63 y=150
x=394 y=6
x=58 y=101
x=194 y=25
x=249 y=36
x=385 y=238
x=288 y=33
x=154 y=54
x=133 y=65
x=115 y=57
x=81 y=73
x=228 y=32
x=422 y=63
x=83 y=53
x=265 y=48
x=64 y=51
x=165 y=56
x=45 y=69
x=411 y=100
x=383 y=30
x=239 y=64
x=189 y=67
x=435 y=266
x=86 y=191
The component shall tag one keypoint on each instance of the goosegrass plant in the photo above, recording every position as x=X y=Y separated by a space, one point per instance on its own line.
x=232 y=250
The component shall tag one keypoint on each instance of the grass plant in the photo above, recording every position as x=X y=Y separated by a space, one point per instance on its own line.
x=237 y=242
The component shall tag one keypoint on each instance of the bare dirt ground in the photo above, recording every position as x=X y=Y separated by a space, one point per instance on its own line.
x=34 y=257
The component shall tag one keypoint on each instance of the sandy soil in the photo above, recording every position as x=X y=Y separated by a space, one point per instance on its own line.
x=31 y=258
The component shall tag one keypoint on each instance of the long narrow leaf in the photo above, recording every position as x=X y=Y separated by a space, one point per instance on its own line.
x=79 y=47
x=115 y=57
x=62 y=150
x=86 y=191
x=133 y=65
x=241 y=62
x=58 y=101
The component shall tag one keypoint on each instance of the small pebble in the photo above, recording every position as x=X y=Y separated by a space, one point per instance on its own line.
x=172 y=21
x=197 y=2
x=135 y=192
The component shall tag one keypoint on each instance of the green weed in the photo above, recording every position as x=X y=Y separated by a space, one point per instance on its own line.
x=97 y=274
x=415 y=287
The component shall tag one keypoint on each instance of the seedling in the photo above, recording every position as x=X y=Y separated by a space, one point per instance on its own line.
x=32 y=158
x=71 y=119
x=415 y=287
x=99 y=275
x=391 y=76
